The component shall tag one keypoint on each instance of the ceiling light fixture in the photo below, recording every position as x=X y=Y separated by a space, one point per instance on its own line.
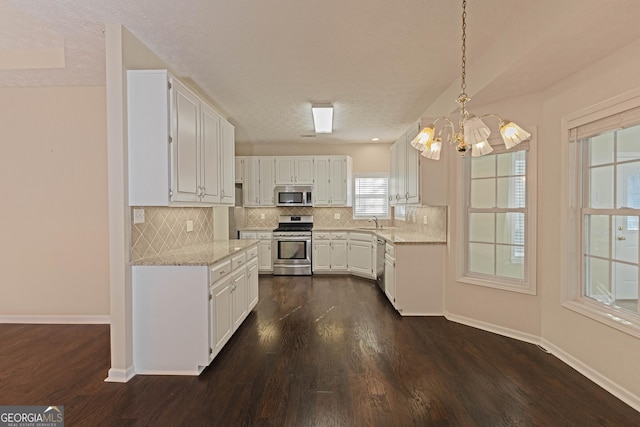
x=322 y=117
x=473 y=133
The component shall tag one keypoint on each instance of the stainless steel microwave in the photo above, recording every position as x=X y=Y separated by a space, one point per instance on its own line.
x=297 y=195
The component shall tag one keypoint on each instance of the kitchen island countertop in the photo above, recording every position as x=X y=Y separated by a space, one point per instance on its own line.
x=203 y=254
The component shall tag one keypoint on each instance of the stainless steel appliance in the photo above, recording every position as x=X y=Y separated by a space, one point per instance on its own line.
x=293 y=195
x=236 y=215
x=380 y=247
x=292 y=246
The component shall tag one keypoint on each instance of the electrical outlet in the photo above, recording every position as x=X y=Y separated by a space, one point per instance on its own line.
x=336 y=216
x=138 y=216
x=425 y=220
x=189 y=226
x=261 y=216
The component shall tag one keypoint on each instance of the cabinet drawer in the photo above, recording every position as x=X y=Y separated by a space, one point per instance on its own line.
x=390 y=250
x=252 y=253
x=339 y=235
x=248 y=235
x=321 y=236
x=219 y=270
x=264 y=235
x=238 y=260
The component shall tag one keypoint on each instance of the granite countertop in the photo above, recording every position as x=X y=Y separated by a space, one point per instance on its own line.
x=393 y=235
x=257 y=229
x=204 y=254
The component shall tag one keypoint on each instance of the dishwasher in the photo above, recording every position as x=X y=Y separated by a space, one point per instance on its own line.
x=380 y=247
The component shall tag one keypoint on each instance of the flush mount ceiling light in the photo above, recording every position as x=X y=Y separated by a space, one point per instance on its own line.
x=322 y=117
x=472 y=133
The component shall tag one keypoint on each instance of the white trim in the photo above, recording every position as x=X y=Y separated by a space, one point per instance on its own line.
x=614 y=105
x=120 y=375
x=618 y=319
x=617 y=390
x=490 y=327
x=612 y=387
x=170 y=372
x=62 y=320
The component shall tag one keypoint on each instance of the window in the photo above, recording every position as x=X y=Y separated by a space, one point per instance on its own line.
x=498 y=221
x=371 y=196
x=604 y=152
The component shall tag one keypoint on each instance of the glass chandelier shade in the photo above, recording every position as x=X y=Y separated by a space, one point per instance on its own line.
x=512 y=134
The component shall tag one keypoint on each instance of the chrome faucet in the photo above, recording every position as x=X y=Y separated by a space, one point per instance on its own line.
x=375 y=219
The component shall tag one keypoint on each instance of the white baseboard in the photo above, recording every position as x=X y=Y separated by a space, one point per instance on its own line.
x=620 y=392
x=500 y=330
x=63 y=320
x=120 y=375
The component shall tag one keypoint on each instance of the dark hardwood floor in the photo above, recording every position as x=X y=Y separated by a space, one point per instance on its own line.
x=316 y=351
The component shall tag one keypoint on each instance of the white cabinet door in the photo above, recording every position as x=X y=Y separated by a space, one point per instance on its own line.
x=227 y=163
x=267 y=181
x=393 y=175
x=252 y=283
x=402 y=170
x=390 y=278
x=360 y=258
x=220 y=315
x=321 y=259
x=285 y=171
x=339 y=255
x=239 y=170
x=251 y=185
x=240 y=303
x=210 y=155
x=304 y=170
x=338 y=182
x=321 y=188
x=265 y=260
x=185 y=134
x=412 y=168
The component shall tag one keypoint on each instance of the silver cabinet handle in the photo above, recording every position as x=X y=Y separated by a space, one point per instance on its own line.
x=622 y=238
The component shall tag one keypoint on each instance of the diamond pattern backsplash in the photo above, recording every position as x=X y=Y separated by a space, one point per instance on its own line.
x=165 y=229
x=322 y=217
x=435 y=228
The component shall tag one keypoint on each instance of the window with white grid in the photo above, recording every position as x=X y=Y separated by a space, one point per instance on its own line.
x=371 y=196
x=499 y=218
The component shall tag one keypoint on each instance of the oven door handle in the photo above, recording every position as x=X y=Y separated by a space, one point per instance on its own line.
x=292 y=239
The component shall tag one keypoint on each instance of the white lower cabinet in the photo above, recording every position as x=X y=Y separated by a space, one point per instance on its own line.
x=414 y=278
x=329 y=252
x=184 y=315
x=265 y=256
x=362 y=258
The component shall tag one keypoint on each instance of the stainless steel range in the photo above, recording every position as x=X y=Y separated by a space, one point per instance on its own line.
x=292 y=245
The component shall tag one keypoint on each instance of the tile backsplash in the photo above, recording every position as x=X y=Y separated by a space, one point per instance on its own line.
x=165 y=229
x=322 y=217
x=436 y=226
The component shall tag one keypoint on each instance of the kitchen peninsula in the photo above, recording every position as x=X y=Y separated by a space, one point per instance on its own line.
x=187 y=303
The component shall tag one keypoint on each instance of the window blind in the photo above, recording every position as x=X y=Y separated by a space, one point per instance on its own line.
x=371 y=196
x=620 y=120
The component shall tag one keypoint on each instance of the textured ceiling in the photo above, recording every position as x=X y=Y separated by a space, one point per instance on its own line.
x=381 y=63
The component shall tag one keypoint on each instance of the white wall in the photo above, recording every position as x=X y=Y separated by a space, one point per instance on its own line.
x=54 y=251
x=602 y=352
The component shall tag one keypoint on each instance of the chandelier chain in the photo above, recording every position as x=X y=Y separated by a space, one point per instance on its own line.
x=463 y=83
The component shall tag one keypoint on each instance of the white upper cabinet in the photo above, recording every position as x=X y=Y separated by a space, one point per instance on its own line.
x=332 y=181
x=227 y=163
x=405 y=180
x=239 y=170
x=294 y=170
x=259 y=181
x=180 y=150
x=210 y=156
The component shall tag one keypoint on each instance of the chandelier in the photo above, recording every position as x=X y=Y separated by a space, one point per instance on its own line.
x=472 y=133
